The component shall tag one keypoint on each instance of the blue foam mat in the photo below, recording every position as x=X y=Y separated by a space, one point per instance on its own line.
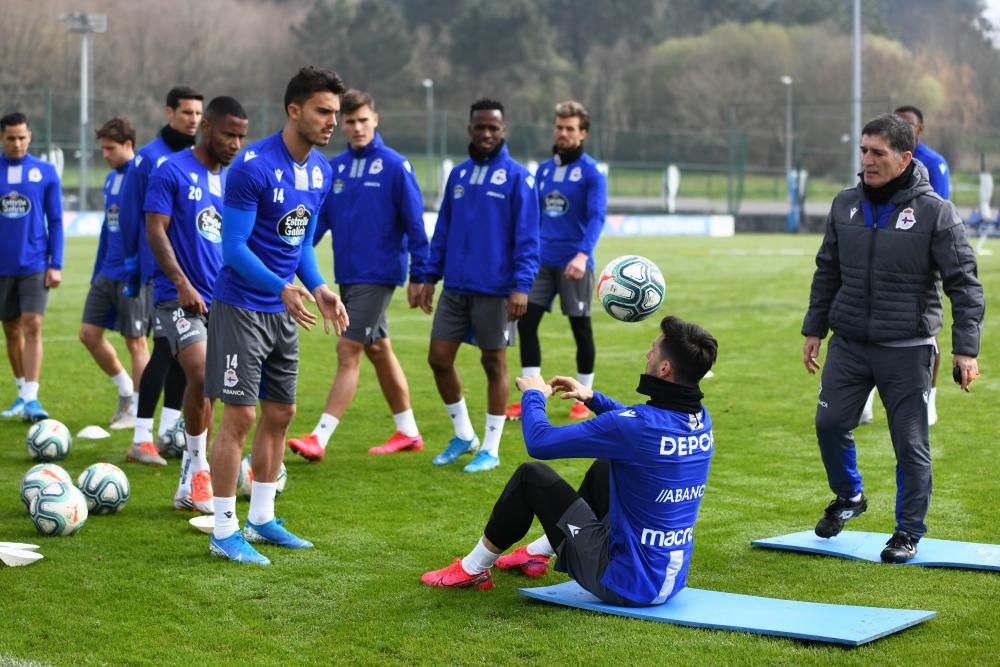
x=832 y=623
x=858 y=545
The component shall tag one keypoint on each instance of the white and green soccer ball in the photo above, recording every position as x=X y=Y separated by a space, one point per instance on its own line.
x=40 y=476
x=173 y=442
x=106 y=488
x=630 y=288
x=244 y=480
x=48 y=440
x=58 y=509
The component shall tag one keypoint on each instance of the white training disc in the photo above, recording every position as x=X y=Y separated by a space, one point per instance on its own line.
x=19 y=545
x=18 y=557
x=93 y=433
x=205 y=523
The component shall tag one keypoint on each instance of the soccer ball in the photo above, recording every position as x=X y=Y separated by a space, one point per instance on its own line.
x=630 y=288
x=244 y=480
x=173 y=442
x=39 y=477
x=105 y=487
x=48 y=440
x=58 y=509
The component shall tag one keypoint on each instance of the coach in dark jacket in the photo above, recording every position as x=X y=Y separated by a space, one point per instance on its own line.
x=886 y=240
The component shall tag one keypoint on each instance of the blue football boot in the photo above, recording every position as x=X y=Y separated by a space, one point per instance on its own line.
x=15 y=409
x=456 y=447
x=237 y=549
x=482 y=462
x=34 y=412
x=274 y=532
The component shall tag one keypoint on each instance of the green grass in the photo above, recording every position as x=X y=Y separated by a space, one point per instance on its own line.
x=140 y=587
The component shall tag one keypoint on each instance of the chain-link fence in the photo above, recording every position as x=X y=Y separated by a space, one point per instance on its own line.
x=742 y=157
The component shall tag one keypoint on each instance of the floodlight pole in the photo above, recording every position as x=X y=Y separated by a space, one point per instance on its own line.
x=428 y=85
x=84 y=24
x=856 y=94
x=787 y=81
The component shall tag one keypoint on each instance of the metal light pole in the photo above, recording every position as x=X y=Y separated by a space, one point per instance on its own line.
x=791 y=177
x=84 y=24
x=787 y=81
x=856 y=94
x=428 y=85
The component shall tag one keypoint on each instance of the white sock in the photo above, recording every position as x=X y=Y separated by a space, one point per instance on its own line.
x=479 y=559
x=586 y=379
x=134 y=408
x=196 y=446
x=124 y=384
x=530 y=371
x=460 y=420
x=143 y=430
x=261 y=502
x=168 y=417
x=541 y=547
x=932 y=395
x=184 y=483
x=855 y=499
x=29 y=392
x=494 y=429
x=325 y=427
x=226 y=522
x=406 y=424
x=20 y=383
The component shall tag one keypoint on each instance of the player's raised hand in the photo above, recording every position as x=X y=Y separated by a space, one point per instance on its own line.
x=571 y=388
x=294 y=298
x=526 y=382
x=517 y=305
x=810 y=354
x=190 y=299
x=332 y=308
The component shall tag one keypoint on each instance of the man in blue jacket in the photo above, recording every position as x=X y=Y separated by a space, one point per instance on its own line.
x=573 y=197
x=628 y=533
x=107 y=306
x=162 y=373
x=375 y=216
x=485 y=246
x=31 y=254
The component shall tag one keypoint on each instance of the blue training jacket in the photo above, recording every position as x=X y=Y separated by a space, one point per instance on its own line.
x=937 y=170
x=375 y=212
x=132 y=217
x=659 y=462
x=574 y=202
x=31 y=212
x=486 y=237
x=110 y=261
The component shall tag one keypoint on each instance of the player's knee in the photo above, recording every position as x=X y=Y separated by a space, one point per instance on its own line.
x=135 y=345
x=535 y=473
x=439 y=363
x=494 y=364
x=31 y=326
x=237 y=420
x=348 y=353
x=89 y=337
x=379 y=350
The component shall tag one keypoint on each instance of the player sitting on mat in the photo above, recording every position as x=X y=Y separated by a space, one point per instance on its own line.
x=626 y=535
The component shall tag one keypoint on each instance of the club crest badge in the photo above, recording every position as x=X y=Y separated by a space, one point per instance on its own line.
x=906 y=219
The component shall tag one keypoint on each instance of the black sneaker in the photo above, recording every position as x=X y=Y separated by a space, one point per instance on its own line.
x=900 y=548
x=837 y=513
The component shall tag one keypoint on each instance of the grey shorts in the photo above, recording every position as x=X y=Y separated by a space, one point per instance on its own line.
x=23 y=294
x=479 y=319
x=251 y=356
x=108 y=307
x=180 y=327
x=583 y=555
x=366 y=307
x=575 y=296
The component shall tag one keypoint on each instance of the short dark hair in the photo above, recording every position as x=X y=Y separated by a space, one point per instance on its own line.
x=309 y=80
x=896 y=132
x=571 y=109
x=223 y=106
x=118 y=130
x=909 y=108
x=485 y=104
x=353 y=100
x=14 y=118
x=689 y=348
x=178 y=93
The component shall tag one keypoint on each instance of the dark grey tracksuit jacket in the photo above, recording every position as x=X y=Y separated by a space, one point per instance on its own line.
x=876 y=288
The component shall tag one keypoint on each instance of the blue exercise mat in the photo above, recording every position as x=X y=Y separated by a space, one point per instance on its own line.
x=832 y=623
x=858 y=545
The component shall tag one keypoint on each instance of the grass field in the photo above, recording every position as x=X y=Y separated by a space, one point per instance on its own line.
x=141 y=588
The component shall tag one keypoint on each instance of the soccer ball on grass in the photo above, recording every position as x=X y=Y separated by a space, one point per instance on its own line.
x=105 y=487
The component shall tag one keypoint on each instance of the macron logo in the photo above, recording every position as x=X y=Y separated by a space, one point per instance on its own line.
x=853 y=211
x=627 y=413
x=573 y=530
x=249 y=155
x=277 y=174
